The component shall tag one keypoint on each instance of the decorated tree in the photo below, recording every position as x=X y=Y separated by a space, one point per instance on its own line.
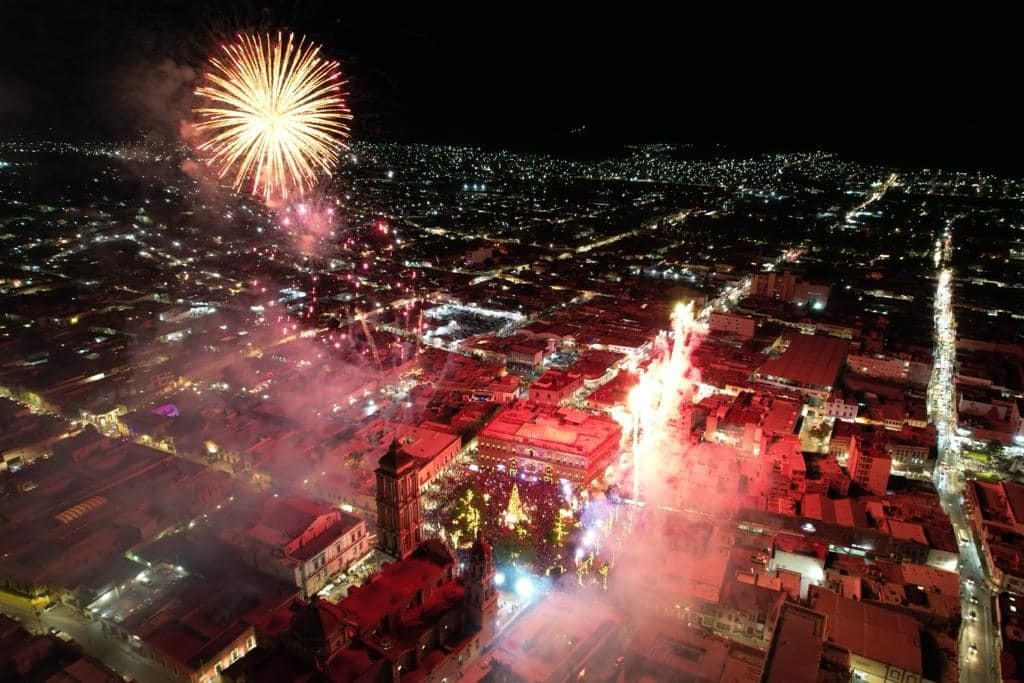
x=515 y=515
x=556 y=536
x=467 y=518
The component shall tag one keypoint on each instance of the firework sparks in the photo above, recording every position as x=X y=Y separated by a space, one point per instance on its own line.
x=274 y=115
x=655 y=401
x=310 y=222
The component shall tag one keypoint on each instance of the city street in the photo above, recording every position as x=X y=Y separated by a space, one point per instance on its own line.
x=119 y=656
x=978 y=650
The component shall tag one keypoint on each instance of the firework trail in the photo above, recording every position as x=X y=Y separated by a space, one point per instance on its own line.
x=655 y=402
x=273 y=115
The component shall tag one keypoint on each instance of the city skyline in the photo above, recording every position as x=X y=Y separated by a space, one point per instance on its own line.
x=904 y=92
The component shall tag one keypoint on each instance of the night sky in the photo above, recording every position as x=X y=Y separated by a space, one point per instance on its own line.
x=914 y=91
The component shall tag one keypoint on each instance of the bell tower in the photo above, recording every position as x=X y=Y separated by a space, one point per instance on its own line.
x=481 y=595
x=399 y=523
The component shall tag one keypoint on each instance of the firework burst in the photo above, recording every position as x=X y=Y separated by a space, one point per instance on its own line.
x=273 y=115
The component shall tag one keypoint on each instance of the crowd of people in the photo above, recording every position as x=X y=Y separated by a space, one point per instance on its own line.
x=552 y=529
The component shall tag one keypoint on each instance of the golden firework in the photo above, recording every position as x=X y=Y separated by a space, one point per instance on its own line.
x=273 y=115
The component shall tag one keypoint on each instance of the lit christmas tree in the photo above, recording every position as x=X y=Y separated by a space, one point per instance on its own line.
x=467 y=518
x=558 y=530
x=514 y=513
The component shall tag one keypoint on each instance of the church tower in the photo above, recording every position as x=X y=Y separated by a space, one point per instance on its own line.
x=399 y=523
x=481 y=595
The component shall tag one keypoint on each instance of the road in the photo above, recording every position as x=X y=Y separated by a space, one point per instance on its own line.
x=978 y=649
x=732 y=295
x=851 y=215
x=116 y=654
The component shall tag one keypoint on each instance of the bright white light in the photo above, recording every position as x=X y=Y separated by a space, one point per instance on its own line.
x=499 y=579
x=524 y=587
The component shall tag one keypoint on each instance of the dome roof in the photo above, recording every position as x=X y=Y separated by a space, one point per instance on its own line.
x=436 y=551
x=315 y=623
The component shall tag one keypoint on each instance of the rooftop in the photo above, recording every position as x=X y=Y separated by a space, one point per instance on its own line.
x=809 y=360
x=869 y=630
x=795 y=653
x=563 y=429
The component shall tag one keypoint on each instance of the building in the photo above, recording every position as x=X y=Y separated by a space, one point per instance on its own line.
x=479 y=255
x=986 y=416
x=797 y=648
x=785 y=473
x=549 y=442
x=730 y=323
x=878 y=365
x=840 y=406
x=418 y=619
x=28 y=657
x=556 y=386
x=434 y=450
x=301 y=542
x=521 y=350
x=749 y=418
x=773 y=285
x=467 y=377
x=883 y=645
x=193 y=626
x=89 y=503
x=869 y=467
x=809 y=364
x=913 y=450
x=529 y=353
x=811 y=295
x=996 y=513
x=563 y=334
x=399 y=515
x=481 y=595
x=787 y=287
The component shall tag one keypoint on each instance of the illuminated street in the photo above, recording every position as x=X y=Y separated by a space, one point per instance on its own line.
x=979 y=660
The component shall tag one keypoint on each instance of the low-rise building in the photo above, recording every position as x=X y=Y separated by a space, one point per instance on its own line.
x=741 y=326
x=28 y=657
x=797 y=652
x=987 y=416
x=556 y=386
x=549 y=442
x=841 y=406
x=301 y=542
x=434 y=450
x=193 y=626
x=883 y=645
x=745 y=420
x=418 y=619
x=996 y=513
x=809 y=364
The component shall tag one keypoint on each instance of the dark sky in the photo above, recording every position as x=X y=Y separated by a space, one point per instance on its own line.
x=908 y=89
